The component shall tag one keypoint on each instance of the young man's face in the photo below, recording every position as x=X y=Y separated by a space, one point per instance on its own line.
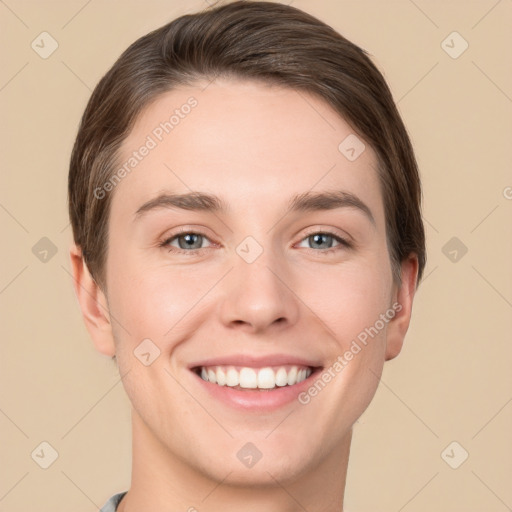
x=259 y=284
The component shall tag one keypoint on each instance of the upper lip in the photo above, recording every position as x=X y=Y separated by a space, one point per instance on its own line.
x=250 y=361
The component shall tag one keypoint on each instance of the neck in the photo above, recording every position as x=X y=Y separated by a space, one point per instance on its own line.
x=161 y=482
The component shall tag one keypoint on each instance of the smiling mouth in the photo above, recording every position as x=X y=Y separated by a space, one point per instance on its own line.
x=248 y=378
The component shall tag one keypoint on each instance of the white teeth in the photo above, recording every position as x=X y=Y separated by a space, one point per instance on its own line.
x=232 y=377
x=211 y=376
x=248 y=378
x=252 y=378
x=266 y=378
x=221 y=377
x=281 y=377
x=292 y=376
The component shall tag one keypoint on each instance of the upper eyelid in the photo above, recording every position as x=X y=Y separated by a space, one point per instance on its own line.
x=341 y=240
x=167 y=240
x=329 y=231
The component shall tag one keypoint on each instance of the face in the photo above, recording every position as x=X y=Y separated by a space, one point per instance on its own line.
x=262 y=315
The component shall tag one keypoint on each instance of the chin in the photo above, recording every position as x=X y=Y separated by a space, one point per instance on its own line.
x=259 y=463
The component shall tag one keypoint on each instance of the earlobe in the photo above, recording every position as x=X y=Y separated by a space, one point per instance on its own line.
x=93 y=304
x=402 y=304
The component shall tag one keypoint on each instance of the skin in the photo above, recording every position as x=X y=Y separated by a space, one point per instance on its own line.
x=255 y=146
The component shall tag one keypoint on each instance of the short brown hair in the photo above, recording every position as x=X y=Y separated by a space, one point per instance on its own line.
x=254 y=40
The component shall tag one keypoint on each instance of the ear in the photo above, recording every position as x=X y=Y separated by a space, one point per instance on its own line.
x=403 y=296
x=93 y=304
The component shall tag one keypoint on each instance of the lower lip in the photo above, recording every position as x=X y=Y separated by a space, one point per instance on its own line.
x=265 y=400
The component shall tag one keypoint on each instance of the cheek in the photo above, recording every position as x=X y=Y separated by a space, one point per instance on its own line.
x=347 y=298
x=351 y=302
x=351 y=305
x=156 y=301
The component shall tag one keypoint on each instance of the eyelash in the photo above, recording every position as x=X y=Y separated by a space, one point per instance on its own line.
x=343 y=243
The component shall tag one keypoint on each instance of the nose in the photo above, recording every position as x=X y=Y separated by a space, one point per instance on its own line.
x=259 y=296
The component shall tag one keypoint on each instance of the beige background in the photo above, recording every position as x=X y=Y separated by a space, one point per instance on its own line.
x=453 y=380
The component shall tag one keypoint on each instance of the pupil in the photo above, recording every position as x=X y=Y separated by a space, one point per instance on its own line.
x=318 y=238
x=189 y=239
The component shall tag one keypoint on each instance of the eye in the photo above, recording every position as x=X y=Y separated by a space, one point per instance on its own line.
x=189 y=242
x=185 y=242
x=324 y=240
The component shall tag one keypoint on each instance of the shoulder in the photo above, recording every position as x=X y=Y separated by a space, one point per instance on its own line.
x=111 y=504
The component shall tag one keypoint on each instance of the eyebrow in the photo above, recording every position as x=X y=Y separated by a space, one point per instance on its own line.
x=305 y=202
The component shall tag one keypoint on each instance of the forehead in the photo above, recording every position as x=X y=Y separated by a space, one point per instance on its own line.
x=247 y=142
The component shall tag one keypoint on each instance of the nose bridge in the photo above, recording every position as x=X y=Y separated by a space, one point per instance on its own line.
x=256 y=294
